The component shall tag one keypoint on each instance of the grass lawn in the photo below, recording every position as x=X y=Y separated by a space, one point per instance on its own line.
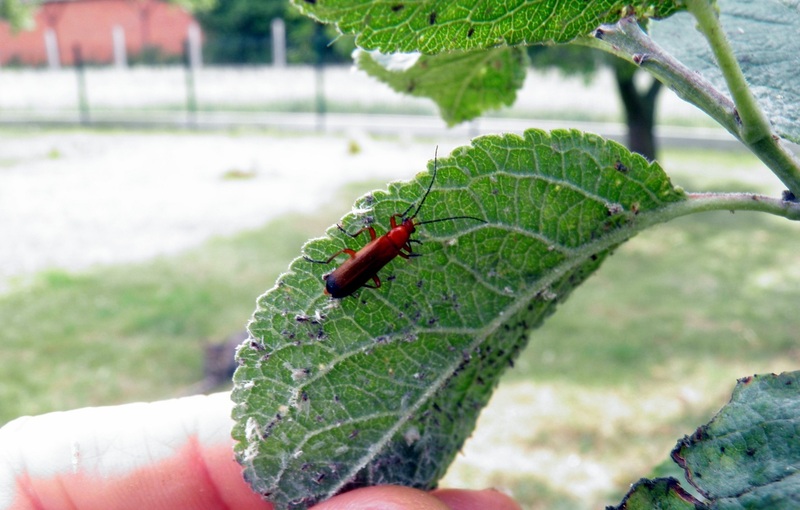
x=643 y=353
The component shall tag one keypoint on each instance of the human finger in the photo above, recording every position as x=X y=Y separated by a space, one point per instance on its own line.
x=172 y=454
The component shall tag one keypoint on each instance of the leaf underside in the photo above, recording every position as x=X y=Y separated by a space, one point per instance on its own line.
x=385 y=386
x=764 y=38
x=745 y=458
x=435 y=26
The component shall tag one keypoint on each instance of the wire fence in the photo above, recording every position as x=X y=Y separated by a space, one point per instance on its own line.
x=325 y=97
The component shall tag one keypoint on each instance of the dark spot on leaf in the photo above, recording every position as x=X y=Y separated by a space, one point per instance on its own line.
x=471 y=31
x=353 y=434
x=788 y=196
x=319 y=478
x=420 y=283
x=432 y=18
x=397 y=7
x=620 y=167
x=722 y=449
x=310 y=1
x=699 y=435
x=750 y=452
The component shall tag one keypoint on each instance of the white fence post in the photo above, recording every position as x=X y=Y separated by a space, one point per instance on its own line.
x=120 y=53
x=278 y=43
x=51 y=48
x=195 y=46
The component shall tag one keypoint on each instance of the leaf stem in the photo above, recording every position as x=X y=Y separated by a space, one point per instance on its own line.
x=627 y=40
x=702 y=202
x=754 y=124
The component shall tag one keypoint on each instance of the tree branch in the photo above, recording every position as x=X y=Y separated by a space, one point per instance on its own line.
x=625 y=39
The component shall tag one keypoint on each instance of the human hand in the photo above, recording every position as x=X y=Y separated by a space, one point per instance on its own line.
x=174 y=454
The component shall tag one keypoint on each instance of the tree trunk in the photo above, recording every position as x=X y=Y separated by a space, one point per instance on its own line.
x=640 y=110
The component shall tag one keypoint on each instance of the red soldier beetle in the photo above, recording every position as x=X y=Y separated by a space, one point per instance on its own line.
x=364 y=264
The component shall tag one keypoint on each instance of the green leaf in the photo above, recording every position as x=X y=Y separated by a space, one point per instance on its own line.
x=434 y=26
x=385 y=386
x=748 y=455
x=464 y=84
x=18 y=14
x=658 y=494
x=764 y=37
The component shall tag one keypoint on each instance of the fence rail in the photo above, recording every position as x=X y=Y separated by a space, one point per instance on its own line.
x=297 y=97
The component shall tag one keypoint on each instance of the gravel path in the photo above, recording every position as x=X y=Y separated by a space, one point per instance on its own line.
x=71 y=200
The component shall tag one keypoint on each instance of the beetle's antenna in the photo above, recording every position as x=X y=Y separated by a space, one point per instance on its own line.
x=435 y=157
x=451 y=218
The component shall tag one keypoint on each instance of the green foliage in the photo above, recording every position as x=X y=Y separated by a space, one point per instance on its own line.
x=463 y=84
x=240 y=31
x=196 y=6
x=435 y=26
x=659 y=494
x=17 y=13
x=746 y=457
x=385 y=387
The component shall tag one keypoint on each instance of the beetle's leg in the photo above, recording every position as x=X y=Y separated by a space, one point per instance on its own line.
x=406 y=251
x=377 y=283
x=371 y=231
x=348 y=251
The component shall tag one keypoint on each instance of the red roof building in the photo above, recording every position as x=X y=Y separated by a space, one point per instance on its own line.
x=92 y=26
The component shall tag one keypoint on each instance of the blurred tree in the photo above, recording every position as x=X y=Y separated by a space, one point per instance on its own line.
x=18 y=13
x=195 y=6
x=639 y=103
x=240 y=31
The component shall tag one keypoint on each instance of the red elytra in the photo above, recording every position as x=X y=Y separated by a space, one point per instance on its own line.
x=364 y=264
